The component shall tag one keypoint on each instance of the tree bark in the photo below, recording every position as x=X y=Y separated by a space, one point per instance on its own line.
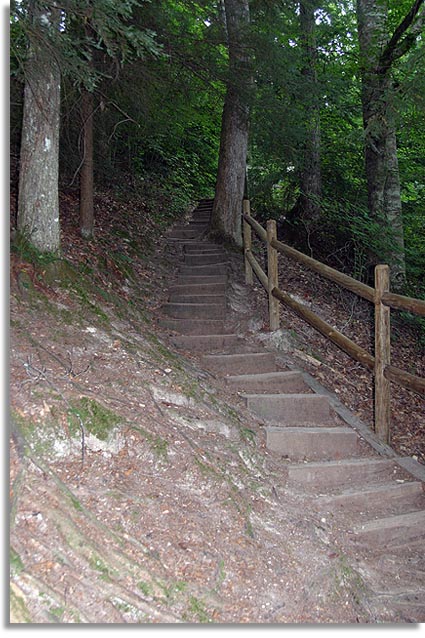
x=227 y=209
x=38 y=201
x=311 y=179
x=86 y=173
x=377 y=53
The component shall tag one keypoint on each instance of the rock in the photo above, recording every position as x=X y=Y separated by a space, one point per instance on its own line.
x=283 y=340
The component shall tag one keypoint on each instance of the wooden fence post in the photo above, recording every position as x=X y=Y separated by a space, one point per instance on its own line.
x=382 y=355
x=247 y=243
x=273 y=277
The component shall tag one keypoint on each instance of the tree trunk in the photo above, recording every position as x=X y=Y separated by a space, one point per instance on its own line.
x=38 y=201
x=227 y=209
x=86 y=173
x=311 y=179
x=381 y=163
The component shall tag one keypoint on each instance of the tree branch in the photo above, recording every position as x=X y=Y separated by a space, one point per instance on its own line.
x=399 y=45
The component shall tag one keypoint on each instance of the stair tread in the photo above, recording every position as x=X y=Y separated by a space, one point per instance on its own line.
x=265 y=375
x=219 y=300
x=343 y=462
x=291 y=396
x=409 y=486
x=333 y=476
x=194 y=305
x=332 y=431
x=395 y=520
x=228 y=335
x=395 y=531
x=244 y=355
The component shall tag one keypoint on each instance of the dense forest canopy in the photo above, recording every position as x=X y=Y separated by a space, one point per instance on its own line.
x=325 y=107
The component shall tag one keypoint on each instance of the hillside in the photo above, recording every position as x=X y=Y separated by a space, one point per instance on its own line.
x=141 y=489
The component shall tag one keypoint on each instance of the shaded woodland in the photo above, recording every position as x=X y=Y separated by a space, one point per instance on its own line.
x=317 y=108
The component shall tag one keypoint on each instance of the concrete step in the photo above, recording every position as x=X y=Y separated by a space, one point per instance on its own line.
x=333 y=476
x=198 y=289
x=386 y=533
x=207 y=202
x=195 y=326
x=193 y=310
x=269 y=382
x=204 y=259
x=201 y=216
x=391 y=498
x=301 y=443
x=188 y=280
x=291 y=409
x=201 y=246
x=177 y=235
x=230 y=364
x=188 y=226
x=175 y=241
x=210 y=269
x=205 y=343
x=186 y=232
x=217 y=300
x=196 y=223
x=197 y=250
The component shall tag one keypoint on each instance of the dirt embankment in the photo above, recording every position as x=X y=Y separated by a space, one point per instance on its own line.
x=141 y=490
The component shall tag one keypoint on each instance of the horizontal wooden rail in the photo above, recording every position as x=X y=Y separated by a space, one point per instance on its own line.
x=261 y=232
x=351 y=348
x=326 y=271
x=257 y=269
x=380 y=296
x=400 y=302
x=405 y=379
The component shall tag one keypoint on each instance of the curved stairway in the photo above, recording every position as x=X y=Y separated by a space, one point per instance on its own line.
x=377 y=503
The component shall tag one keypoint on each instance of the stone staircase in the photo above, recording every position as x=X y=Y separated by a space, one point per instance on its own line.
x=375 y=498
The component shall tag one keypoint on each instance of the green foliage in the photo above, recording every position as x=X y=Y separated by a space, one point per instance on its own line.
x=346 y=234
x=84 y=28
x=198 y=609
x=158 y=72
x=97 y=420
x=16 y=564
x=20 y=245
x=350 y=238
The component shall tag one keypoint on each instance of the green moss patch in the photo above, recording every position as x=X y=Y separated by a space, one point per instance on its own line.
x=97 y=420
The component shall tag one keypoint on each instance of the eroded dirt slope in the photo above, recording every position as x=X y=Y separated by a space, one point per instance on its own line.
x=141 y=491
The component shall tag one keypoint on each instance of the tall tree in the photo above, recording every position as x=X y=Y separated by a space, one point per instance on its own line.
x=378 y=53
x=38 y=203
x=227 y=209
x=60 y=43
x=86 y=171
x=308 y=204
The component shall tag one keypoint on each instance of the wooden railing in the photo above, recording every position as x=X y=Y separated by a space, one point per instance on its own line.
x=380 y=296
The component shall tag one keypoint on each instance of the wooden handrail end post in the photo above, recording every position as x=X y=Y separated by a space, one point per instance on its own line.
x=382 y=355
x=247 y=243
x=273 y=276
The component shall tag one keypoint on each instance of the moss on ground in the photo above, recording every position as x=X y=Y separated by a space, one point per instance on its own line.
x=15 y=562
x=157 y=444
x=18 y=610
x=97 y=419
